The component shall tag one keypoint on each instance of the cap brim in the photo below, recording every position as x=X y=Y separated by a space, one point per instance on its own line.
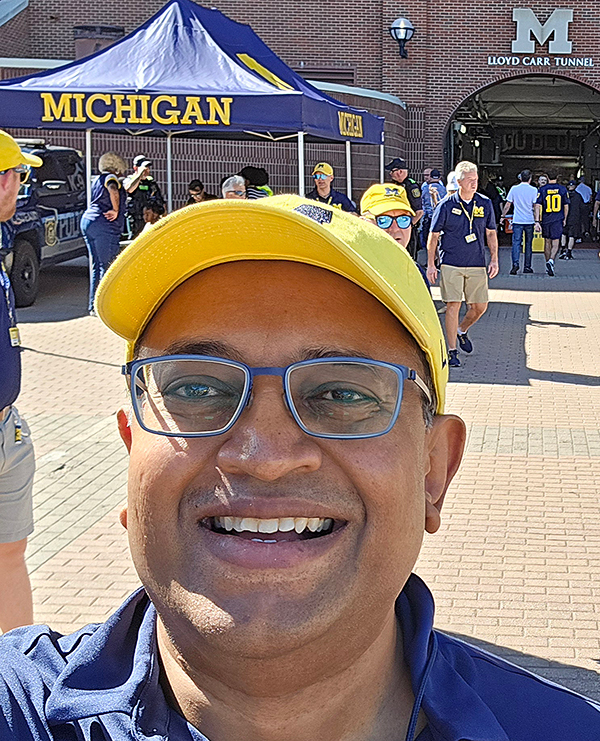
x=31 y=159
x=208 y=234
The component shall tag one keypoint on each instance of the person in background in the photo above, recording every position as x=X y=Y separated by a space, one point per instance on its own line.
x=152 y=214
x=572 y=230
x=432 y=192
x=234 y=187
x=197 y=193
x=542 y=180
x=451 y=183
x=257 y=182
x=398 y=170
x=103 y=221
x=17 y=457
x=586 y=193
x=142 y=191
x=324 y=193
x=467 y=221
x=387 y=207
x=551 y=211
x=522 y=197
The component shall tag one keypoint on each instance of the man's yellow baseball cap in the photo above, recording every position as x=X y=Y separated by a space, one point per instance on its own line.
x=323 y=167
x=11 y=155
x=379 y=199
x=285 y=227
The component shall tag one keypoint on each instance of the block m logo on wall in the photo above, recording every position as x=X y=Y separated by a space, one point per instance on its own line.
x=528 y=25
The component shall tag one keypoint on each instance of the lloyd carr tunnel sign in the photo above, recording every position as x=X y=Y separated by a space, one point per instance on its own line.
x=554 y=32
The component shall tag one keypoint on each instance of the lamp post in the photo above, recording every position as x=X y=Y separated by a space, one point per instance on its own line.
x=402 y=30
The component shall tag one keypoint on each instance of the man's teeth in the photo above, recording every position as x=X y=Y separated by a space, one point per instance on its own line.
x=282 y=525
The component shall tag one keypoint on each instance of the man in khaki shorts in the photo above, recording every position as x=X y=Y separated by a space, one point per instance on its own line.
x=467 y=221
x=17 y=462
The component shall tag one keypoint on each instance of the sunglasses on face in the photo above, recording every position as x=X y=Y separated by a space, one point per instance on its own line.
x=200 y=396
x=23 y=170
x=384 y=222
x=197 y=195
x=320 y=176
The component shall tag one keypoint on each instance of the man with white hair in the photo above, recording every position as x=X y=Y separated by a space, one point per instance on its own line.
x=468 y=222
x=234 y=187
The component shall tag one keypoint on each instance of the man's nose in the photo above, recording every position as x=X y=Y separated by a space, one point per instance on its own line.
x=266 y=442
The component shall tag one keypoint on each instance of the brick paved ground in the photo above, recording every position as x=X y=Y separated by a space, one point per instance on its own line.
x=517 y=561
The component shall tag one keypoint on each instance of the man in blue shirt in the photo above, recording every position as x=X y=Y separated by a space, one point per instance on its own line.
x=551 y=211
x=467 y=221
x=288 y=448
x=17 y=462
x=324 y=193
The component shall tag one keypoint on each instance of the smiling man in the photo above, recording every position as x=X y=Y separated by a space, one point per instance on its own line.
x=288 y=450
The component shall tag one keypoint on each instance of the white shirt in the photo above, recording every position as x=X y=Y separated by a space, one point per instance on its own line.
x=585 y=192
x=523 y=197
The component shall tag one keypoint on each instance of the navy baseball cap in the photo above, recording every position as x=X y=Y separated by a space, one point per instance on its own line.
x=397 y=164
x=435 y=174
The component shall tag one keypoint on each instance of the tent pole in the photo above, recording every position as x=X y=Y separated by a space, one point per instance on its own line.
x=301 y=175
x=88 y=165
x=169 y=171
x=382 y=163
x=349 y=169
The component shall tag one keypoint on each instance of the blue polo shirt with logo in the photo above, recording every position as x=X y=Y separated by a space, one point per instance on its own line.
x=335 y=199
x=457 y=219
x=102 y=683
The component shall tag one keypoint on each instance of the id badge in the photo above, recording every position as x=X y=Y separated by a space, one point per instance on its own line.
x=471 y=238
x=15 y=337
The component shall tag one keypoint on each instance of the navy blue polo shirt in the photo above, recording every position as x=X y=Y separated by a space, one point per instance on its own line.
x=335 y=199
x=10 y=357
x=553 y=197
x=459 y=219
x=102 y=684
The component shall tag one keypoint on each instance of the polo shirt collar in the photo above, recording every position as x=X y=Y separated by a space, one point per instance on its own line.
x=454 y=710
x=116 y=670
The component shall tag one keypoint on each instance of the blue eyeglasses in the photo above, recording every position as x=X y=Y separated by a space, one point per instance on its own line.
x=200 y=395
x=320 y=176
x=385 y=221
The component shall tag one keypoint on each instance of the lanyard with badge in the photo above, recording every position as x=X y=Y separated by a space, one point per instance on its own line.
x=470 y=237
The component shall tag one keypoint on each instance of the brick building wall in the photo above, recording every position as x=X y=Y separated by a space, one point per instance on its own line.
x=14 y=36
x=447 y=56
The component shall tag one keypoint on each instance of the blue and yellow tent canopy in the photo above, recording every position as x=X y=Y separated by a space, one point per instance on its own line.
x=187 y=69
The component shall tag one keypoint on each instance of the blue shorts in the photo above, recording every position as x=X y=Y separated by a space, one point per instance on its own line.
x=553 y=230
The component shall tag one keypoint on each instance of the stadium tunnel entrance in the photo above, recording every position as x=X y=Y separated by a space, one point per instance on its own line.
x=537 y=121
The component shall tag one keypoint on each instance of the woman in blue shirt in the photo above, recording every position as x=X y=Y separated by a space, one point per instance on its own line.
x=103 y=221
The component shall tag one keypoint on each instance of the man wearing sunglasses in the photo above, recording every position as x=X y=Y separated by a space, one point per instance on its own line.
x=398 y=170
x=324 y=193
x=288 y=450
x=17 y=462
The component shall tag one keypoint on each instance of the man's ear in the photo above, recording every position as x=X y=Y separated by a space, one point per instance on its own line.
x=123 y=517
x=124 y=428
x=446 y=444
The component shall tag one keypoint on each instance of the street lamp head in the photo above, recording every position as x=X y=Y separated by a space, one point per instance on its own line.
x=402 y=30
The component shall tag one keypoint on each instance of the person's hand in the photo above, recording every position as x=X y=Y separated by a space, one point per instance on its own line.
x=432 y=274
x=111 y=215
x=493 y=268
x=537 y=228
